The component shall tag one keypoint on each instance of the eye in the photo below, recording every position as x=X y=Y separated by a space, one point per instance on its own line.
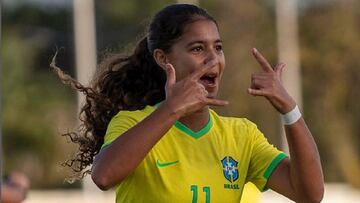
x=219 y=47
x=197 y=49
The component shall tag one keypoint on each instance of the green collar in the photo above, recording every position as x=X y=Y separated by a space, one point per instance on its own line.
x=188 y=131
x=193 y=134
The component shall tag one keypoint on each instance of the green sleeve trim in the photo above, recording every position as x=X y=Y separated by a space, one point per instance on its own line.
x=272 y=166
x=107 y=143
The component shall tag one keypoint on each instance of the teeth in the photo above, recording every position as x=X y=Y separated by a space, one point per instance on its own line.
x=210 y=75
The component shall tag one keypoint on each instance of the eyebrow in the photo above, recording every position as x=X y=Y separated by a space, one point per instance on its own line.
x=201 y=42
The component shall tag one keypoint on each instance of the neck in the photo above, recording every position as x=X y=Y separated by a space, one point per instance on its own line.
x=197 y=120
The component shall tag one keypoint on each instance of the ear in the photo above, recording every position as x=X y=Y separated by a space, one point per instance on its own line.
x=160 y=58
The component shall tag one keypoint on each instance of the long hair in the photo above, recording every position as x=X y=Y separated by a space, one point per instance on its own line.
x=125 y=82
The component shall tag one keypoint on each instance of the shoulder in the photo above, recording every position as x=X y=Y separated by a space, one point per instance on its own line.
x=240 y=130
x=135 y=115
x=124 y=120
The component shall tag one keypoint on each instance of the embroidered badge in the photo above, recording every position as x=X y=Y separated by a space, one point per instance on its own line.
x=230 y=169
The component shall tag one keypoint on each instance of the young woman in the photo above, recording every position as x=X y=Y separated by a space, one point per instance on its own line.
x=147 y=120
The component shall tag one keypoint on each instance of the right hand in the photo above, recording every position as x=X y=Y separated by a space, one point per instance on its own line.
x=188 y=95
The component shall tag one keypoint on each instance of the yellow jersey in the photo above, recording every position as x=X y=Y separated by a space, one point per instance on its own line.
x=210 y=165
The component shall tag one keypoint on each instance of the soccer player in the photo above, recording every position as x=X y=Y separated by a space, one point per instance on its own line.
x=147 y=120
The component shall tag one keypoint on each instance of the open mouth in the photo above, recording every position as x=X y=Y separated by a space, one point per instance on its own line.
x=209 y=80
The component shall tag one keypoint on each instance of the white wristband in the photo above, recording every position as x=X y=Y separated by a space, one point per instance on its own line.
x=291 y=117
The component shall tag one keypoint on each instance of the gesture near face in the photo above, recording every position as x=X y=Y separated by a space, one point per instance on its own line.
x=189 y=95
x=268 y=84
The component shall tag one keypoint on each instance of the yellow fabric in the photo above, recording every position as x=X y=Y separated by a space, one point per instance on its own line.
x=193 y=169
x=250 y=194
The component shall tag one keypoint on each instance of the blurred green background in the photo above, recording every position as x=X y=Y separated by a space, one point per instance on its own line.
x=37 y=108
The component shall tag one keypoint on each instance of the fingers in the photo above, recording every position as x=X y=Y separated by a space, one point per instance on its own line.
x=279 y=68
x=257 y=83
x=201 y=71
x=262 y=61
x=257 y=92
x=211 y=101
x=170 y=76
x=216 y=102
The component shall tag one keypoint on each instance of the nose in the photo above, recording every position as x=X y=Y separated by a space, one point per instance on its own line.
x=211 y=58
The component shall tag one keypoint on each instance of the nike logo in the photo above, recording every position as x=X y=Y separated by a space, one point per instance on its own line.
x=160 y=165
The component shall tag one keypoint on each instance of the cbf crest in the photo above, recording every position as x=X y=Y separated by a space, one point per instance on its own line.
x=230 y=168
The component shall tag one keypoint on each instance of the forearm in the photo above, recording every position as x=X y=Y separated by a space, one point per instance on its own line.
x=120 y=158
x=302 y=178
x=305 y=167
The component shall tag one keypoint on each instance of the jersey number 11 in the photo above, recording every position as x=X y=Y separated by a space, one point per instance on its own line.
x=206 y=190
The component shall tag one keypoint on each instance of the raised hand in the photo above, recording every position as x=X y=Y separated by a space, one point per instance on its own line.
x=188 y=95
x=268 y=84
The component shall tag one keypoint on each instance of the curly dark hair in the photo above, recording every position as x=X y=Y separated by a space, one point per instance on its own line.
x=125 y=82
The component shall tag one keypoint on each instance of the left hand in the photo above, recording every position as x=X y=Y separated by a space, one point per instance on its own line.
x=268 y=84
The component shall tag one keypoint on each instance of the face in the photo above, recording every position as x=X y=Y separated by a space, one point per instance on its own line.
x=199 y=45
